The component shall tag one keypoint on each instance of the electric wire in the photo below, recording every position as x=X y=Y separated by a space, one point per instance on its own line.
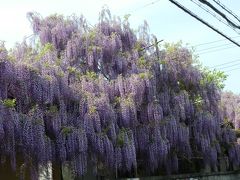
x=218 y=65
x=225 y=67
x=214 y=15
x=220 y=49
x=149 y=4
x=212 y=42
x=232 y=70
x=202 y=21
x=220 y=13
x=213 y=47
x=142 y=7
x=227 y=9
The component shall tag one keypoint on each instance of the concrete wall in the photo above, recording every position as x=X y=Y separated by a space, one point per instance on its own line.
x=232 y=175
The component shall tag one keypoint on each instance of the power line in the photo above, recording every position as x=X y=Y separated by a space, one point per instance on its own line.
x=226 y=9
x=232 y=69
x=220 y=13
x=144 y=6
x=212 y=42
x=220 y=49
x=202 y=21
x=236 y=60
x=214 y=15
x=225 y=67
x=151 y=3
x=214 y=47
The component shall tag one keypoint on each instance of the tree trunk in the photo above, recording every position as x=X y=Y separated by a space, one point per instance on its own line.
x=6 y=172
x=57 y=171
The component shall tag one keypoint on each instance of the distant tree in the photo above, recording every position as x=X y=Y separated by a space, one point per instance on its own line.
x=231 y=108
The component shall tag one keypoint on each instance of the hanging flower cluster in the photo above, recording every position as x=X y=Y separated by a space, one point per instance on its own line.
x=92 y=95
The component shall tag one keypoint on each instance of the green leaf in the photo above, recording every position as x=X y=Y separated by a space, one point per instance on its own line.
x=9 y=103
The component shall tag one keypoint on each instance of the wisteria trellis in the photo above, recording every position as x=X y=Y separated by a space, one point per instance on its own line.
x=91 y=95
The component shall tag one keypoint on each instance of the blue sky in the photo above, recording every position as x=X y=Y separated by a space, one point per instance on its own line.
x=165 y=20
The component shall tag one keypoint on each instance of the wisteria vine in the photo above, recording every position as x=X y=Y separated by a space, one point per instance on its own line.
x=83 y=94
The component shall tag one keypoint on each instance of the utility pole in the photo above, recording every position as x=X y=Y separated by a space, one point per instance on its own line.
x=156 y=42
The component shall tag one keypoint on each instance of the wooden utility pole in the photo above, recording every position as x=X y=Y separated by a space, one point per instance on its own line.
x=156 y=42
